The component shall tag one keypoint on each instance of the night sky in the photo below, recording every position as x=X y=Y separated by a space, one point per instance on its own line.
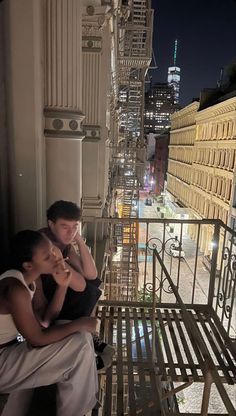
x=206 y=33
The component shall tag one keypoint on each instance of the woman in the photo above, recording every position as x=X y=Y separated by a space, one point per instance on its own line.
x=61 y=354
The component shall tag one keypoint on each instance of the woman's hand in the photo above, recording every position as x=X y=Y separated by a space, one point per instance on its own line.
x=44 y=323
x=61 y=275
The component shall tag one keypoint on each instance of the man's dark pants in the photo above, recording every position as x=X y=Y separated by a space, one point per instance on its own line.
x=76 y=304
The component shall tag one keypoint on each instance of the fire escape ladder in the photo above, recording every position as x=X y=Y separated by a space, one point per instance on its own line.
x=134 y=57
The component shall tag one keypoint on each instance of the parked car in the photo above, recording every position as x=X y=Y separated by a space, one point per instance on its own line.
x=177 y=252
x=148 y=201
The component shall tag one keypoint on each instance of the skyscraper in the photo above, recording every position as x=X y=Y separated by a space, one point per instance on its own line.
x=159 y=105
x=174 y=75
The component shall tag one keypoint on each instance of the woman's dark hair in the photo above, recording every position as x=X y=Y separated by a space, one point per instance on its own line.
x=63 y=209
x=22 y=248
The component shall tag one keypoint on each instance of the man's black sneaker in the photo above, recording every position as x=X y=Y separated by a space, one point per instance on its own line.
x=99 y=363
x=101 y=347
x=103 y=362
x=104 y=353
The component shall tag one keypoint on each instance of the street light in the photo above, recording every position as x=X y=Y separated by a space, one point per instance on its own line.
x=152 y=184
x=212 y=244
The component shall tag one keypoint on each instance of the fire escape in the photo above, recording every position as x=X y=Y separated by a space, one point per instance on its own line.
x=134 y=56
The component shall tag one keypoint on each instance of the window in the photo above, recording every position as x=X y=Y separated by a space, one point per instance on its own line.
x=233 y=223
x=234 y=196
x=232 y=159
x=219 y=186
x=222 y=158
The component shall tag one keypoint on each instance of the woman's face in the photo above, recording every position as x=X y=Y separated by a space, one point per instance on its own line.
x=44 y=258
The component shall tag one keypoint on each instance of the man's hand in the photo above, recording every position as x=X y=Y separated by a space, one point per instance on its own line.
x=86 y=324
x=80 y=259
x=78 y=238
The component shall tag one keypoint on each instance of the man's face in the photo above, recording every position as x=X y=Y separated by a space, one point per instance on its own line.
x=64 y=230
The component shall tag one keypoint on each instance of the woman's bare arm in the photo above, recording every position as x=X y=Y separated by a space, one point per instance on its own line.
x=20 y=307
x=39 y=301
x=45 y=311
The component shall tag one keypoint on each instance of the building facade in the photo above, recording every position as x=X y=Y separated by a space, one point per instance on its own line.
x=161 y=162
x=157 y=162
x=57 y=94
x=173 y=80
x=159 y=105
x=181 y=153
x=202 y=164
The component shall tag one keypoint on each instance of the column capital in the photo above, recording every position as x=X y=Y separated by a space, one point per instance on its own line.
x=95 y=19
x=92 y=133
x=63 y=123
x=92 y=206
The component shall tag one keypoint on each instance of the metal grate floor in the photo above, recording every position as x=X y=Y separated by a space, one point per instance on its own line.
x=134 y=383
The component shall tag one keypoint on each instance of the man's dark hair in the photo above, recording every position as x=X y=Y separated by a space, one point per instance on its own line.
x=63 y=209
x=22 y=248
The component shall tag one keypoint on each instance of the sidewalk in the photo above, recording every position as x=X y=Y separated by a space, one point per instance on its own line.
x=182 y=270
x=190 y=398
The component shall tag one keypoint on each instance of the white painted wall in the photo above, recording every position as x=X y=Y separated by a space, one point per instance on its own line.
x=24 y=55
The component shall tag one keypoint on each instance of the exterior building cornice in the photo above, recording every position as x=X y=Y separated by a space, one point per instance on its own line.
x=220 y=109
x=214 y=170
x=186 y=128
x=210 y=197
x=180 y=162
x=178 y=179
x=189 y=109
x=218 y=144
x=180 y=145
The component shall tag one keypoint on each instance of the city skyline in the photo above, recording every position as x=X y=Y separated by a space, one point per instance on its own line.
x=206 y=36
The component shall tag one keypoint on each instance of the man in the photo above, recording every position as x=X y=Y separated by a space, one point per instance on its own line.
x=83 y=293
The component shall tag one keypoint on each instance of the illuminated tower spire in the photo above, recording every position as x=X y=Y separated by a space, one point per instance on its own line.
x=174 y=75
x=175 y=51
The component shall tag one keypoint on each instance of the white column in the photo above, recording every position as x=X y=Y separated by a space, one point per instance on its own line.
x=63 y=99
x=96 y=91
x=24 y=55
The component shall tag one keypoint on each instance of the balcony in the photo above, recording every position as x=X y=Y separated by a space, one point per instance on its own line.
x=179 y=330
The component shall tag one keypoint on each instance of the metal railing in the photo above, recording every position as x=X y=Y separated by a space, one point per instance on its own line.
x=210 y=371
x=181 y=244
x=182 y=299
x=136 y=39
